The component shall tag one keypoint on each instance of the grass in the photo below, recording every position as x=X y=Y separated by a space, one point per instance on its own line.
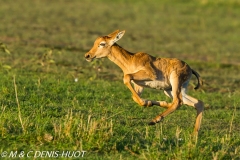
x=53 y=100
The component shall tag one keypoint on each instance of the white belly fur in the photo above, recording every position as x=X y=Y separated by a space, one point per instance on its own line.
x=154 y=84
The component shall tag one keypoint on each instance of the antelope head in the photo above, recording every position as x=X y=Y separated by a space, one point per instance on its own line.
x=102 y=45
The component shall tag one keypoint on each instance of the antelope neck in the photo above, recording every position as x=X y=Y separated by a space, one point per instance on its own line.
x=120 y=57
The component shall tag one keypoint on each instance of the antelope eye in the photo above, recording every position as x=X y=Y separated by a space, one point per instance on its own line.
x=102 y=44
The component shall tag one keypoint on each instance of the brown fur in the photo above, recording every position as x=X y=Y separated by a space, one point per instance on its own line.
x=143 y=70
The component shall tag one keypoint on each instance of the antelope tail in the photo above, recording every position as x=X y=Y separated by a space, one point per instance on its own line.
x=200 y=82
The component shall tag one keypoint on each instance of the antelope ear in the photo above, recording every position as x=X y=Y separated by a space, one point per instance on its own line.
x=113 y=33
x=115 y=36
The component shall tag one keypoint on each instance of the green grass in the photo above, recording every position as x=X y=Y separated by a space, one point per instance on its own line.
x=43 y=45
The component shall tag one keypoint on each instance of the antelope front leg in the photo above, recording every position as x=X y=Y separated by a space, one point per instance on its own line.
x=127 y=81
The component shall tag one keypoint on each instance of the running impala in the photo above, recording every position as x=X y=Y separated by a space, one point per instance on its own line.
x=143 y=70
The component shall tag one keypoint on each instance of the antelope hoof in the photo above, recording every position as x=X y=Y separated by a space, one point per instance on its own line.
x=148 y=103
x=151 y=123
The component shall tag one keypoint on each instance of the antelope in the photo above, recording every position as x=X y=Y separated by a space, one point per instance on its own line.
x=143 y=70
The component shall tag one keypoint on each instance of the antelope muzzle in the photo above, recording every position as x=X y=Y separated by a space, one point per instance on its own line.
x=89 y=57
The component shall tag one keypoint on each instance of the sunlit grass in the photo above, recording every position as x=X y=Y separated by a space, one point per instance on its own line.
x=52 y=99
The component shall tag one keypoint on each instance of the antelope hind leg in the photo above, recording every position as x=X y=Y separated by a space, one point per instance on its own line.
x=199 y=106
x=176 y=98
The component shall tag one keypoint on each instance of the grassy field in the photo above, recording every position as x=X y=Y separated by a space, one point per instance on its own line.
x=52 y=100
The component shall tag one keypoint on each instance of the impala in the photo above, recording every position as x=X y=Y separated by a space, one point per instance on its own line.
x=143 y=70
